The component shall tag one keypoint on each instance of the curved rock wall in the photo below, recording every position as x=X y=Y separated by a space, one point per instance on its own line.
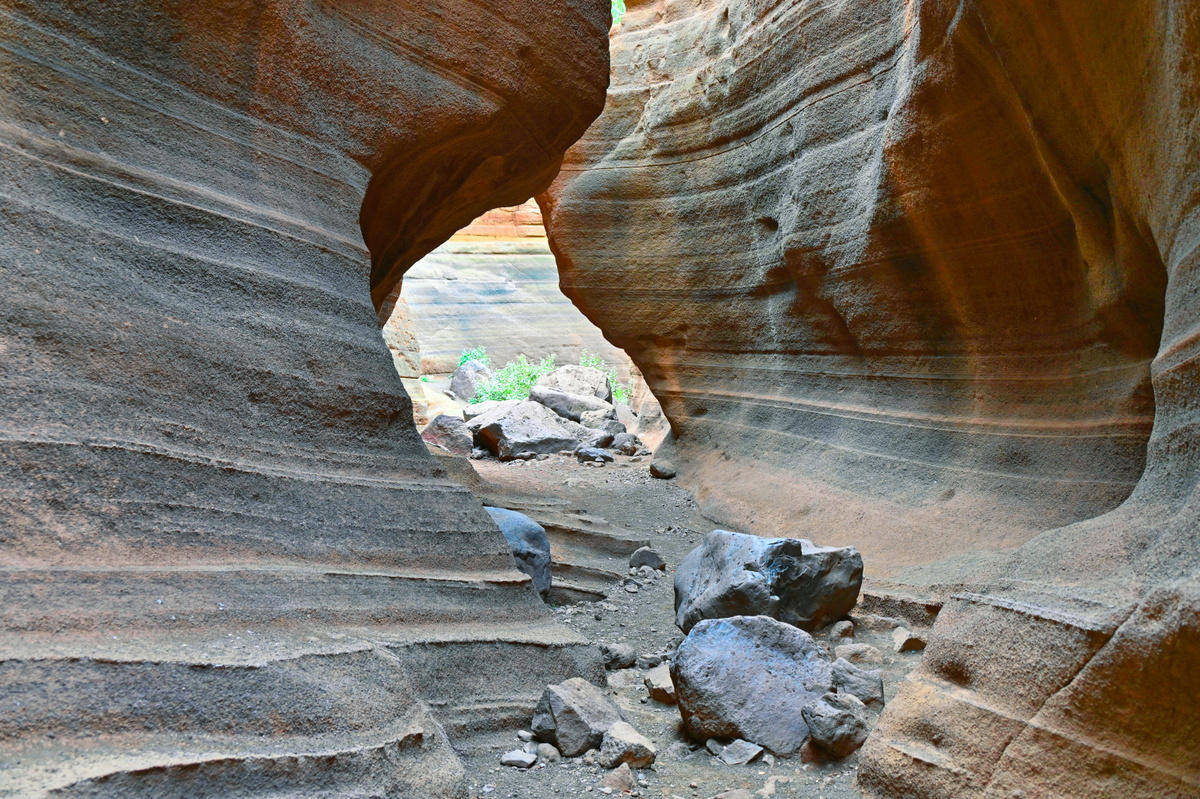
x=928 y=270
x=229 y=566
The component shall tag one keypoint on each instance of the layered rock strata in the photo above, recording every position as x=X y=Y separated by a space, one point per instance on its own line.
x=921 y=277
x=229 y=566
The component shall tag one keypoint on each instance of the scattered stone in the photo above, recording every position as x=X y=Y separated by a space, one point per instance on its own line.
x=450 y=433
x=837 y=722
x=480 y=408
x=678 y=751
x=867 y=686
x=467 y=377
x=662 y=468
x=525 y=735
x=574 y=715
x=904 y=640
x=714 y=747
x=736 y=793
x=748 y=677
x=740 y=752
x=790 y=579
x=529 y=543
x=768 y=759
x=597 y=464
x=518 y=758
x=583 y=380
x=647 y=572
x=645 y=556
x=658 y=683
x=589 y=757
x=875 y=623
x=841 y=629
x=531 y=427
x=649 y=661
x=623 y=744
x=632 y=587
x=530 y=747
x=548 y=754
x=479 y=453
x=858 y=653
x=593 y=454
x=627 y=444
x=617 y=656
x=772 y=782
x=620 y=779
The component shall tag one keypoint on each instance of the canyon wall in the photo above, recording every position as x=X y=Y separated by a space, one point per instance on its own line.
x=229 y=566
x=494 y=284
x=927 y=271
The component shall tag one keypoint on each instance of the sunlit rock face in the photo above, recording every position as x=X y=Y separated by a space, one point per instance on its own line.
x=921 y=277
x=229 y=566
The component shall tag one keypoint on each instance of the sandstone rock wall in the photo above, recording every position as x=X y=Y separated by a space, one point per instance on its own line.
x=495 y=285
x=229 y=566
x=928 y=270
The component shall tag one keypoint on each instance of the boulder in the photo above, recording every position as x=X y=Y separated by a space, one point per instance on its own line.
x=572 y=406
x=625 y=414
x=583 y=380
x=601 y=419
x=905 y=640
x=518 y=758
x=627 y=444
x=593 y=455
x=790 y=579
x=610 y=426
x=547 y=753
x=617 y=656
x=450 y=433
x=645 y=556
x=467 y=377
x=748 y=677
x=663 y=469
x=858 y=653
x=867 y=686
x=837 y=723
x=841 y=629
x=658 y=683
x=529 y=543
x=480 y=408
x=574 y=715
x=620 y=779
x=530 y=427
x=623 y=744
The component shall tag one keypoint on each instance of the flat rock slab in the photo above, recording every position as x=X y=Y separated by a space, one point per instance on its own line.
x=518 y=758
x=574 y=715
x=529 y=544
x=748 y=677
x=739 y=753
x=790 y=579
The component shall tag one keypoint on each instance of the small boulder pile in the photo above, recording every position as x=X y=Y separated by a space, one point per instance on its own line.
x=568 y=410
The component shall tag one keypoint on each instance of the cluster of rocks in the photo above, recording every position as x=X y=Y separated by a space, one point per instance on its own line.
x=576 y=719
x=568 y=411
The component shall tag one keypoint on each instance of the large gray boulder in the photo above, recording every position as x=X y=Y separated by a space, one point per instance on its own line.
x=467 y=377
x=837 y=723
x=574 y=715
x=472 y=412
x=583 y=380
x=748 y=677
x=450 y=433
x=571 y=406
x=790 y=579
x=530 y=427
x=529 y=543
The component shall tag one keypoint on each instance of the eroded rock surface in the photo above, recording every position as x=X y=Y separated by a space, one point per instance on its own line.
x=924 y=281
x=227 y=564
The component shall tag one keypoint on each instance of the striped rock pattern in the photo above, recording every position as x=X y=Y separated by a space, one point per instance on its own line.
x=229 y=567
x=921 y=277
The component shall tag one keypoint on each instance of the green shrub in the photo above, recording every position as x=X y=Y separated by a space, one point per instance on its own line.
x=474 y=354
x=618 y=11
x=514 y=380
x=620 y=393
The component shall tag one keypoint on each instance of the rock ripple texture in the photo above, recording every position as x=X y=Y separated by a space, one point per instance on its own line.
x=933 y=267
x=229 y=566
x=793 y=580
x=749 y=677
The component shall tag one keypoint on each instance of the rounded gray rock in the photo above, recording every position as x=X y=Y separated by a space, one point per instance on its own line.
x=837 y=723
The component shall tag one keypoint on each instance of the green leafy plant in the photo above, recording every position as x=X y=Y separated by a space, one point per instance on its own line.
x=618 y=11
x=474 y=354
x=514 y=380
x=620 y=393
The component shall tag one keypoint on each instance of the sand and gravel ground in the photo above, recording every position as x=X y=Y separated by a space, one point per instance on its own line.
x=666 y=514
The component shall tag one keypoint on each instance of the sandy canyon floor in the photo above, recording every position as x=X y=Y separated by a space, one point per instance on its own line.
x=625 y=495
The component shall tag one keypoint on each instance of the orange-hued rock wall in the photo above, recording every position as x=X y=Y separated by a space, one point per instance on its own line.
x=921 y=277
x=229 y=566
